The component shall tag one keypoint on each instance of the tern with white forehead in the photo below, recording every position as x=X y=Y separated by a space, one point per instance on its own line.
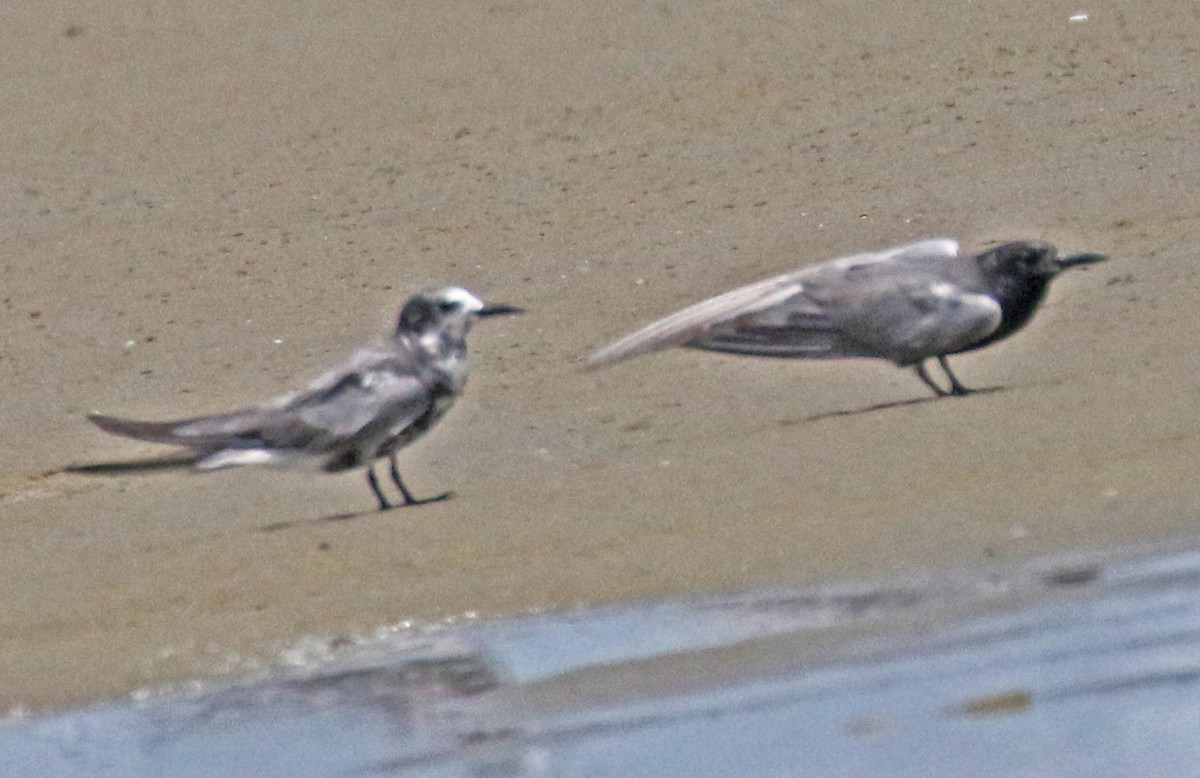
x=905 y=304
x=384 y=397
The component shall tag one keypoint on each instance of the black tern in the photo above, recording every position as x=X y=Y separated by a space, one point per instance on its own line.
x=905 y=304
x=384 y=397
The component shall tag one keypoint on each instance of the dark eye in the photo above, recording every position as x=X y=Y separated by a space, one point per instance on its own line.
x=445 y=306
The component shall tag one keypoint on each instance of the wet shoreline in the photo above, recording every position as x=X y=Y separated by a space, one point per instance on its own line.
x=943 y=675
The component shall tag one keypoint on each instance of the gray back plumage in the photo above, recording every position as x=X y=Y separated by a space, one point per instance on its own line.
x=897 y=304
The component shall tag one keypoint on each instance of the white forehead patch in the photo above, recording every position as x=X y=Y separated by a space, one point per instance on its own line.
x=456 y=294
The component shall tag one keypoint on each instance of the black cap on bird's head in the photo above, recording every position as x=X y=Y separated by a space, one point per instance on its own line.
x=447 y=306
x=1031 y=259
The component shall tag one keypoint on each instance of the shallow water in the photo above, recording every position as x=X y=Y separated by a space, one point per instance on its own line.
x=1081 y=666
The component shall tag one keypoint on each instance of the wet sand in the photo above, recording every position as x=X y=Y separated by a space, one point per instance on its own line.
x=184 y=188
x=1064 y=666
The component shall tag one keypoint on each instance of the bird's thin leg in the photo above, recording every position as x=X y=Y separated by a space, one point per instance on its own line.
x=408 y=498
x=955 y=387
x=374 y=484
x=395 y=470
x=920 y=369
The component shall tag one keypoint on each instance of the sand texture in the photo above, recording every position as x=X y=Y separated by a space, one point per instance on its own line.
x=206 y=206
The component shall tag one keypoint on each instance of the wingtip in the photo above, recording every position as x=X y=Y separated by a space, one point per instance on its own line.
x=155 y=432
x=595 y=361
x=106 y=422
x=619 y=351
x=101 y=420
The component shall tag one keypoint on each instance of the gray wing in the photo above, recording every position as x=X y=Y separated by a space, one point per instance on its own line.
x=376 y=394
x=681 y=327
x=695 y=325
x=371 y=402
x=896 y=314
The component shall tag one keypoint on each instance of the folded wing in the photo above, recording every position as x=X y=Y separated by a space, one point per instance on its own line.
x=374 y=399
x=902 y=320
x=746 y=320
x=686 y=325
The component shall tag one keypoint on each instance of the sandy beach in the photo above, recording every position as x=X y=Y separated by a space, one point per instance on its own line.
x=206 y=207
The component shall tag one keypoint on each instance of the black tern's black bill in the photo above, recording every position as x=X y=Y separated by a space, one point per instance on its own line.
x=1081 y=259
x=499 y=310
x=383 y=398
x=905 y=304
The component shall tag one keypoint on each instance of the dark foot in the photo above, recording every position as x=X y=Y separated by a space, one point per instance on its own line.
x=394 y=469
x=439 y=498
x=920 y=370
x=956 y=389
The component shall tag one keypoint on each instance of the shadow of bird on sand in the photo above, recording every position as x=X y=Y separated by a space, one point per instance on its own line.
x=162 y=464
x=339 y=517
x=132 y=466
x=891 y=405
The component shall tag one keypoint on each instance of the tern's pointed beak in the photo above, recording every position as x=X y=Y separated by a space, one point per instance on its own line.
x=1079 y=259
x=499 y=310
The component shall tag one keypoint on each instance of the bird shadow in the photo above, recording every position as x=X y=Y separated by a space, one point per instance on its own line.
x=893 y=405
x=340 y=517
x=125 y=466
x=134 y=466
x=293 y=524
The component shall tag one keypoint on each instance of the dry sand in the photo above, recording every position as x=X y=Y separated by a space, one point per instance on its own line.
x=204 y=207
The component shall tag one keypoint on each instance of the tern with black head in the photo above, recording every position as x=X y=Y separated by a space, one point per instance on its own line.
x=907 y=304
x=383 y=398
